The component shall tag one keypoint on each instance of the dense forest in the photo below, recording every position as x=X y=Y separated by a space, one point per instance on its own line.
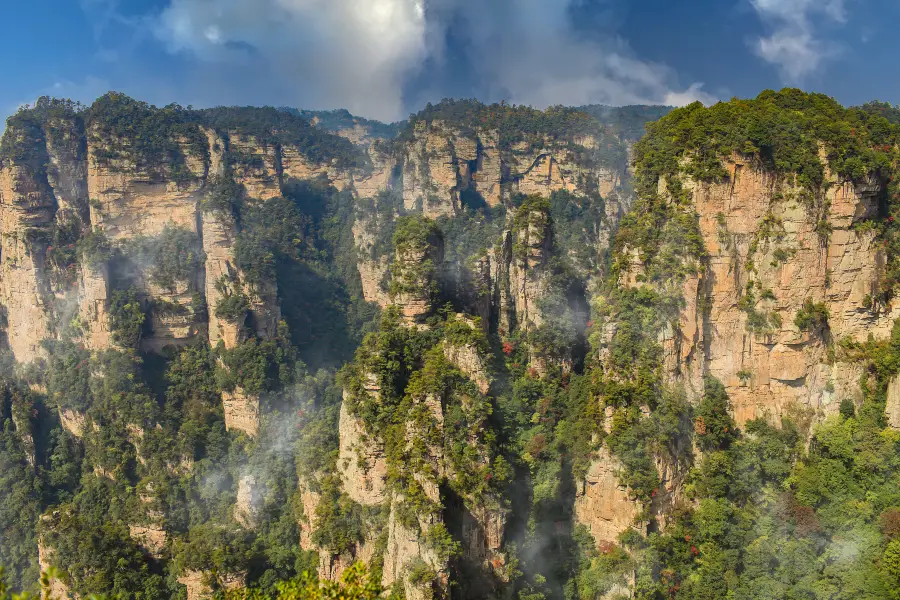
x=101 y=448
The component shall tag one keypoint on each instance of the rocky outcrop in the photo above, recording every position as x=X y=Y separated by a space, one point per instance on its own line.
x=331 y=565
x=892 y=408
x=172 y=317
x=409 y=559
x=446 y=167
x=241 y=411
x=25 y=433
x=361 y=461
x=309 y=501
x=601 y=503
x=483 y=534
x=58 y=588
x=769 y=253
x=27 y=209
x=218 y=241
x=256 y=166
x=414 y=282
x=152 y=537
x=248 y=502
x=72 y=421
x=528 y=250
x=95 y=294
x=127 y=202
x=199 y=584
x=471 y=362
x=373 y=270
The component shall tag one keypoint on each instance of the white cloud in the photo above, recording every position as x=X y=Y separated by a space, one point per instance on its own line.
x=792 y=44
x=530 y=50
x=360 y=54
x=329 y=53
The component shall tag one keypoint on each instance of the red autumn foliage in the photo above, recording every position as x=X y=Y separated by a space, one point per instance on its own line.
x=536 y=445
x=700 y=426
x=606 y=547
x=508 y=348
x=890 y=522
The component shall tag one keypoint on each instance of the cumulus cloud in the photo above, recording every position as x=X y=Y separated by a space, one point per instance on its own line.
x=325 y=53
x=530 y=52
x=364 y=54
x=792 y=44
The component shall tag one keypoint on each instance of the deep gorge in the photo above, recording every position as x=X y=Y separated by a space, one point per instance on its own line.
x=489 y=352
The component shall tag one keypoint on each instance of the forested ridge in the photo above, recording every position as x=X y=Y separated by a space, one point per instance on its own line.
x=518 y=352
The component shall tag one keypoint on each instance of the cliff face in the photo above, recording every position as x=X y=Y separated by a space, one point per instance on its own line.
x=745 y=278
x=445 y=167
x=768 y=257
x=770 y=244
x=146 y=263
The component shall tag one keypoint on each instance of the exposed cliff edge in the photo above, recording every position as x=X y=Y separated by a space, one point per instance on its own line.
x=491 y=351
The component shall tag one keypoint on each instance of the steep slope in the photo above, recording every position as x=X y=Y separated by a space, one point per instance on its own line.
x=748 y=324
x=180 y=287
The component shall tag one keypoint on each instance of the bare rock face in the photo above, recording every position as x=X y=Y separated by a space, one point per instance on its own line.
x=372 y=269
x=528 y=277
x=218 y=241
x=430 y=172
x=27 y=206
x=198 y=583
x=67 y=168
x=58 y=589
x=444 y=166
x=469 y=360
x=173 y=322
x=771 y=248
x=265 y=310
x=309 y=500
x=241 y=412
x=361 y=463
x=95 y=296
x=256 y=166
x=601 y=504
x=409 y=559
x=126 y=202
x=483 y=531
x=331 y=567
x=151 y=537
x=295 y=165
x=770 y=239
x=248 y=502
x=73 y=421
x=893 y=403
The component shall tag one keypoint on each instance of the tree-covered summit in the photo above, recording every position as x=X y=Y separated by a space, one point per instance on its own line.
x=785 y=130
x=154 y=138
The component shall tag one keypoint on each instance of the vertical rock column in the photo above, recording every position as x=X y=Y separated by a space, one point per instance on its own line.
x=27 y=208
x=528 y=262
x=95 y=304
x=419 y=252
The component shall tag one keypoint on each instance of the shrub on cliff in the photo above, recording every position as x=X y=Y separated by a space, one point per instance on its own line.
x=126 y=317
x=812 y=316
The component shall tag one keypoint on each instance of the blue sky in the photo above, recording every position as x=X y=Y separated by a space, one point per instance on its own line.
x=385 y=58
